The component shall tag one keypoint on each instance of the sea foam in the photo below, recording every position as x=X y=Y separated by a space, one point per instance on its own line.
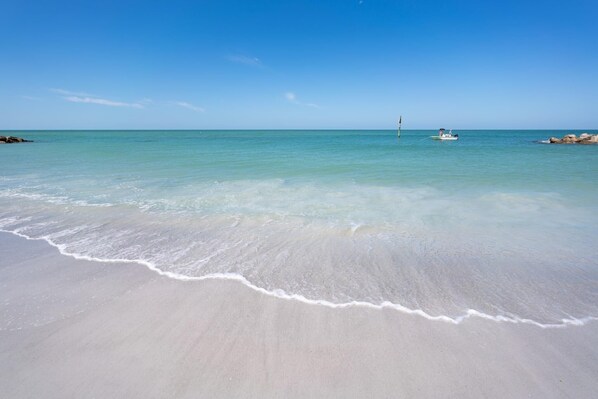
x=281 y=294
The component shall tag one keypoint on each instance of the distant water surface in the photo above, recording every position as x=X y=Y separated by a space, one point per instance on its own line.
x=494 y=222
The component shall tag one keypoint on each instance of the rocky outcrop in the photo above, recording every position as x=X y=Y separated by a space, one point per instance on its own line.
x=12 y=139
x=584 y=138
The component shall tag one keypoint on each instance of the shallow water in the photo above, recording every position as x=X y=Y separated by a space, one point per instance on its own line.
x=493 y=222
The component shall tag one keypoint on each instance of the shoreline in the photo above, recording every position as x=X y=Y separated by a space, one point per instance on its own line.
x=280 y=294
x=80 y=328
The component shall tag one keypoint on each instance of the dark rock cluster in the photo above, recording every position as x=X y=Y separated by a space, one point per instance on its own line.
x=12 y=139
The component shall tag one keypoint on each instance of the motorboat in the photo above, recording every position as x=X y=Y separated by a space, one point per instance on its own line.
x=444 y=135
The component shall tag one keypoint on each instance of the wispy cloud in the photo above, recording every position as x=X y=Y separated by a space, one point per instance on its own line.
x=31 y=98
x=101 y=101
x=86 y=98
x=292 y=98
x=189 y=106
x=245 y=60
x=64 y=92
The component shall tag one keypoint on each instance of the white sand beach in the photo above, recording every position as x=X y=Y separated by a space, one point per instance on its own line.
x=72 y=328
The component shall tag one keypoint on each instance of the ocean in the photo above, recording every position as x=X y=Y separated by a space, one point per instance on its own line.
x=494 y=225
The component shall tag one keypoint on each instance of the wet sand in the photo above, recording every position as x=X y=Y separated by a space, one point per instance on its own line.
x=72 y=328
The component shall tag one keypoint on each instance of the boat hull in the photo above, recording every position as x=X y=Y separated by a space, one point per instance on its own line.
x=444 y=138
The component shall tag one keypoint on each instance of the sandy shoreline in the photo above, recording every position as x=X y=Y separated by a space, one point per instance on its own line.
x=72 y=328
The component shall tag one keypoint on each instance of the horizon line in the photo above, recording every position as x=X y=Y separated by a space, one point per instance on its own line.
x=280 y=129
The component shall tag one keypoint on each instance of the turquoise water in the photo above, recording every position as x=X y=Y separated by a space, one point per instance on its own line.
x=494 y=222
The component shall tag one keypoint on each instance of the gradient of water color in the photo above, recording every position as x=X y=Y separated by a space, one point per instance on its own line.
x=494 y=222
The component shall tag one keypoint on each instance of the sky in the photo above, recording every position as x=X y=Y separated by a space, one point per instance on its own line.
x=350 y=64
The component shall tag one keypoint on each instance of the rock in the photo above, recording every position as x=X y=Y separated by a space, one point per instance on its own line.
x=568 y=139
x=593 y=139
x=12 y=139
x=584 y=138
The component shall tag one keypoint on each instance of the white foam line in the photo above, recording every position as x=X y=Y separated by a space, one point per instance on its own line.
x=57 y=200
x=470 y=313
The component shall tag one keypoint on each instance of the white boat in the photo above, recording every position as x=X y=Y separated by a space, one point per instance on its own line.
x=443 y=135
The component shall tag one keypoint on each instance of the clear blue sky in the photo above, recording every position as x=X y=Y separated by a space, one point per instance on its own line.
x=298 y=64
